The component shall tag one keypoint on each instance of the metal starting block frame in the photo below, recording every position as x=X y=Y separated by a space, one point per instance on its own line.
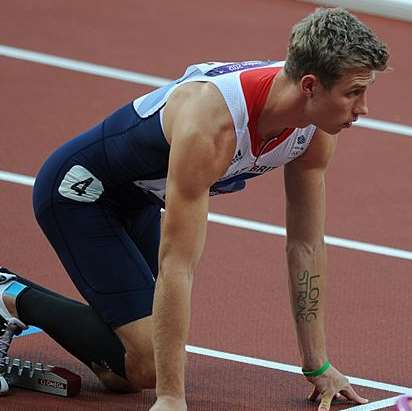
x=39 y=377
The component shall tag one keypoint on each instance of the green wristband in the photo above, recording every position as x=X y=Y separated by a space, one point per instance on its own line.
x=318 y=372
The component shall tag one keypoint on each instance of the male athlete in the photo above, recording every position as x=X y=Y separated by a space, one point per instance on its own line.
x=98 y=198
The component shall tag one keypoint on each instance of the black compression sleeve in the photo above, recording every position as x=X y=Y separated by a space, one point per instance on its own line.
x=75 y=326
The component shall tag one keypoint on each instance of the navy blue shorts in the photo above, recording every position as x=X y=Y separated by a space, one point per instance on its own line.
x=105 y=230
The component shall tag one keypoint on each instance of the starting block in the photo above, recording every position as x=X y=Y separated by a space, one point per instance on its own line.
x=40 y=377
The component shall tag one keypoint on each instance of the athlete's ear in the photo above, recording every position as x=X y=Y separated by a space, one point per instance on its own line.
x=308 y=84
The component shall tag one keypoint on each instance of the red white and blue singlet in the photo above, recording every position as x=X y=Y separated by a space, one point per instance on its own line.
x=245 y=87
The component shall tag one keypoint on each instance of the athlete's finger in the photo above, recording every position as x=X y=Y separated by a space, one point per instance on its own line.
x=352 y=395
x=325 y=401
x=314 y=395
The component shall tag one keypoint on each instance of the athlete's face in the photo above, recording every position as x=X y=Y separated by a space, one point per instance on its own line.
x=337 y=108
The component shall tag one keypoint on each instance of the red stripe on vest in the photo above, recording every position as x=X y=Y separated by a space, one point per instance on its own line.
x=256 y=84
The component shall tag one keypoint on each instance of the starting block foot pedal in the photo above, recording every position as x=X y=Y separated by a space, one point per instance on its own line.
x=38 y=377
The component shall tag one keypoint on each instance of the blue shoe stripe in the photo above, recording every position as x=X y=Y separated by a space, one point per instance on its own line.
x=30 y=330
x=14 y=289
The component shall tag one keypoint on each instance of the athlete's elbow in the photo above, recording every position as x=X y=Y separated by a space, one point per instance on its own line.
x=300 y=248
x=172 y=268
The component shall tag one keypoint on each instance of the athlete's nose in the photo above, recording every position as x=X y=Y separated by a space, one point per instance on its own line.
x=361 y=107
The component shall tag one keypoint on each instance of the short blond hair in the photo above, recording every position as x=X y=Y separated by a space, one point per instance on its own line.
x=331 y=41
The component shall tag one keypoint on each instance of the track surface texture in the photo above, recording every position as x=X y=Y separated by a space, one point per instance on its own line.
x=240 y=297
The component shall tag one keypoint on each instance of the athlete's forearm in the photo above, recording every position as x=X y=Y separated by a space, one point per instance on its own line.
x=171 y=318
x=307 y=266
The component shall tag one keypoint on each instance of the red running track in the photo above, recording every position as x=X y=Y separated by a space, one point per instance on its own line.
x=240 y=302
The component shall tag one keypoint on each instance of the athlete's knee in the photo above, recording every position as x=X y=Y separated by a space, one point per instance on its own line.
x=140 y=371
x=139 y=358
x=138 y=365
x=112 y=381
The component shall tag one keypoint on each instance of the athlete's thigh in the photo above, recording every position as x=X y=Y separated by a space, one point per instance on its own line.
x=102 y=260
x=144 y=229
x=77 y=199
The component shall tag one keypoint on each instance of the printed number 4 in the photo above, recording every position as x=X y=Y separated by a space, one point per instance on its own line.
x=81 y=186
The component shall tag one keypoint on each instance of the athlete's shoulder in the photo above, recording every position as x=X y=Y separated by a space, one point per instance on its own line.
x=195 y=110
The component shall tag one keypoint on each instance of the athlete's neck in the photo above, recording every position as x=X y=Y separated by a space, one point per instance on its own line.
x=284 y=108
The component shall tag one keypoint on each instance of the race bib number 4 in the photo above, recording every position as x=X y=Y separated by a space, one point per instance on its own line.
x=81 y=185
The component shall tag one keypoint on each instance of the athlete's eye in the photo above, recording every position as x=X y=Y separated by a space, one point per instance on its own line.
x=355 y=93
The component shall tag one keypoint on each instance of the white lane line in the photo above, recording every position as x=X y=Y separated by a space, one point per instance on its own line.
x=283 y=367
x=82 y=66
x=292 y=368
x=260 y=227
x=384 y=126
x=148 y=80
x=16 y=178
x=336 y=241
x=376 y=405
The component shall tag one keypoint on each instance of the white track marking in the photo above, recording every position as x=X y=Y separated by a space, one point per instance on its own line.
x=384 y=126
x=376 y=405
x=260 y=227
x=16 y=178
x=82 y=66
x=292 y=369
x=336 y=241
x=148 y=80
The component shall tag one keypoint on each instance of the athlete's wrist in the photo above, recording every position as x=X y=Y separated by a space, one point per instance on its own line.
x=171 y=400
x=314 y=361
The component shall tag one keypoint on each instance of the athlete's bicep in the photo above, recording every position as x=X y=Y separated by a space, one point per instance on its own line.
x=187 y=194
x=200 y=153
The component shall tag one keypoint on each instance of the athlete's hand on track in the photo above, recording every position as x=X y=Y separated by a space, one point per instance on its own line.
x=332 y=384
x=169 y=404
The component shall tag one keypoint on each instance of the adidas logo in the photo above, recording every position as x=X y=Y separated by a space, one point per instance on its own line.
x=237 y=157
x=301 y=139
